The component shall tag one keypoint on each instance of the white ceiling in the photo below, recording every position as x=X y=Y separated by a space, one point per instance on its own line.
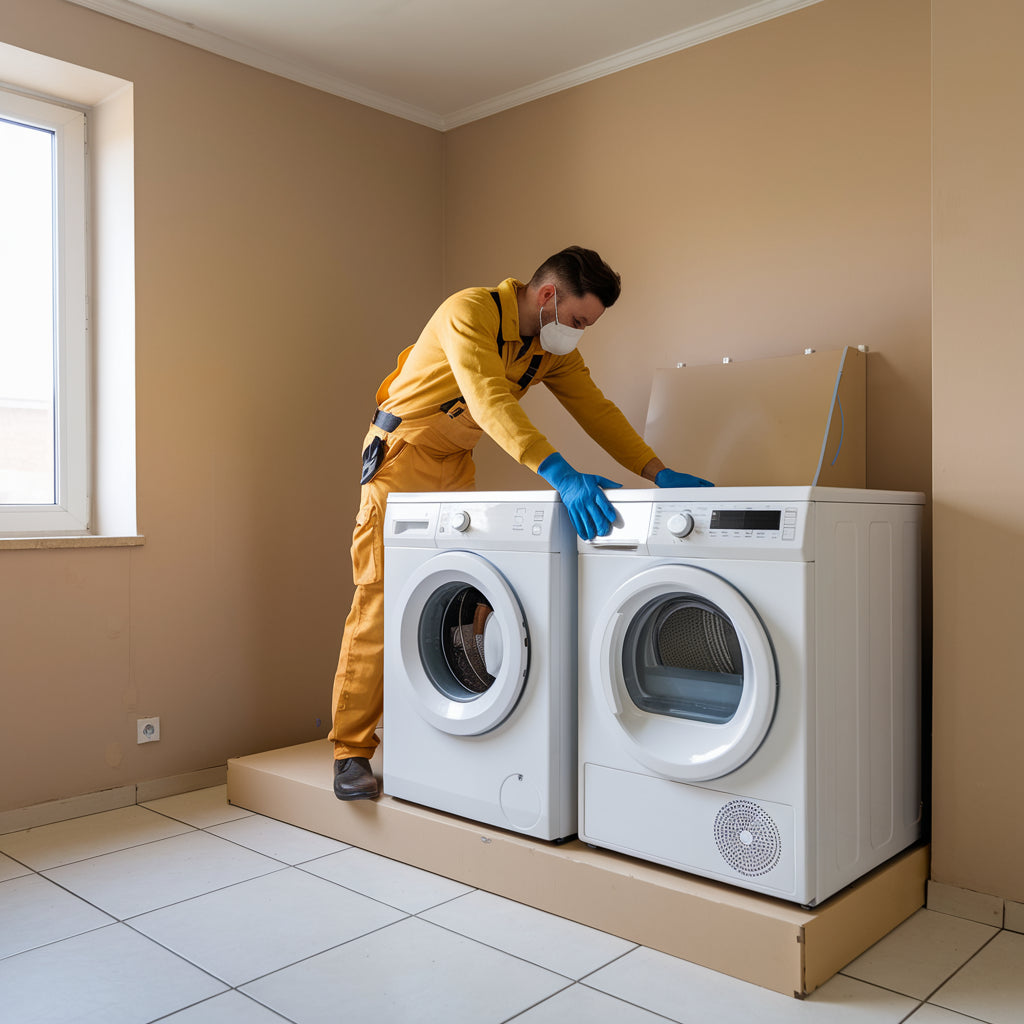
x=443 y=63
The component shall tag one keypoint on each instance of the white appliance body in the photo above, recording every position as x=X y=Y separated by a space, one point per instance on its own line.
x=750 y=684
x=480 y=703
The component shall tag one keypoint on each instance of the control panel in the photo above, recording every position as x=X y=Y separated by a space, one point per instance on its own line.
x=729 y=530
x=688 y=527
x=507 y=524
x=507 y=519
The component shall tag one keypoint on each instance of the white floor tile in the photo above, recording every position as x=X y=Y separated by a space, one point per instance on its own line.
x=35 y=912
x=919 y=955
x=410 y=971
x=276 y=839
x=580 y=1003
x=256 y=927
x=929 y=1014
x=396 y=884
x=687 y=993
x=541 y=938
x=201 y=808
x=991 y=986
x=229 y=1008
x=106 y=976
x=144 y=878
x=65 y=842
x=12 y=869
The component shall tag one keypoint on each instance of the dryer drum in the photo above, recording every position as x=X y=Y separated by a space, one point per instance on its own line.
x=681 y=657
x=698 y=637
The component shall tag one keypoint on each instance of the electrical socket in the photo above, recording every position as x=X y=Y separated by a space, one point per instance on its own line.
x=149 y=730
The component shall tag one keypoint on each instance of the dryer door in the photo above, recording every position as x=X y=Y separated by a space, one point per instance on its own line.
x=687 y=670
x=464 y=643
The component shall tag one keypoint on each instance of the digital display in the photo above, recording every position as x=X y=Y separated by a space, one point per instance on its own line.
x=746 y=519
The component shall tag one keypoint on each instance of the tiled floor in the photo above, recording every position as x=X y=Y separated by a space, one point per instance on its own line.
x=190 y=911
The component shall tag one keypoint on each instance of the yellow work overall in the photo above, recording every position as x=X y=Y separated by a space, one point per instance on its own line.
x=430 y=453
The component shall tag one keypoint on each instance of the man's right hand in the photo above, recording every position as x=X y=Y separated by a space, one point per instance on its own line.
x=589 y=508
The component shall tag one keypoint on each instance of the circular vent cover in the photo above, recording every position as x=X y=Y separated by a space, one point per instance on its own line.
x=748 y=838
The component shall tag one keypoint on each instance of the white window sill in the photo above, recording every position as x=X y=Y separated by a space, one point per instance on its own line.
x=35 y=543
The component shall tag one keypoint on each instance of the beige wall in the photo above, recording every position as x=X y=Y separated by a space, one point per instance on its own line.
x=273 y=223
x=978 y=360
x=760 y=194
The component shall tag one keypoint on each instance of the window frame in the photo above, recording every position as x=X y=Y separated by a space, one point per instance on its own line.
x=71 y=512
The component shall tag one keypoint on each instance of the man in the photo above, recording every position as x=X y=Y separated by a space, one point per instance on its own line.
x=464 y=377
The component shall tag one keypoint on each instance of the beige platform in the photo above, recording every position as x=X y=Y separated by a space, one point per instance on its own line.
x=768 y=942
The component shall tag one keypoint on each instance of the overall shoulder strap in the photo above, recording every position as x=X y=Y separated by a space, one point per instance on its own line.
x=501 y=337
x=531 y=371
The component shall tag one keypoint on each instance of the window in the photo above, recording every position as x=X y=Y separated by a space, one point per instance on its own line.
x=45 y=441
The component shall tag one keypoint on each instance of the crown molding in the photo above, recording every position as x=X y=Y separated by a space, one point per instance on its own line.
x=142 y=17
x=754 y=14
x=185 y=32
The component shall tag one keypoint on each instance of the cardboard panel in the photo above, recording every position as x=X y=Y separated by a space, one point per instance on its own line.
x=791 y=420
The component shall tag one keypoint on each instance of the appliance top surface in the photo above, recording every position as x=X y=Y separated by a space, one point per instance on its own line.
x=487 y=497
x=715 y=495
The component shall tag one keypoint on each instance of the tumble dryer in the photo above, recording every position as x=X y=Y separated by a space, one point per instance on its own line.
x=750 y=683
x=480 y=658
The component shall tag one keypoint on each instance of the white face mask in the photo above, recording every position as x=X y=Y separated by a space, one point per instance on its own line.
x=558 y=339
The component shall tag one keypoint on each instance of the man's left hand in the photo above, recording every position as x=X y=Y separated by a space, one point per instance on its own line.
x=670 y=478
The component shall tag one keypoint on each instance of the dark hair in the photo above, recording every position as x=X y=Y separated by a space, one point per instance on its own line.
x=582 y=272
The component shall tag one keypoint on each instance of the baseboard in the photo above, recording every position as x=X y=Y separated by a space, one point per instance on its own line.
x=21 y=818
x=975 y=906
x=157 y=789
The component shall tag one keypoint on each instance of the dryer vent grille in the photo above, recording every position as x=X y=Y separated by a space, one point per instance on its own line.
x=748 y=838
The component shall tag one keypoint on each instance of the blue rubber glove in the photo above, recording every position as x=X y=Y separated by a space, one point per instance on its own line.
x=670 y=478
x=590 y=511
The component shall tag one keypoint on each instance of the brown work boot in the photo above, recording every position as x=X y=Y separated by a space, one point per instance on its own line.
x=353 y=779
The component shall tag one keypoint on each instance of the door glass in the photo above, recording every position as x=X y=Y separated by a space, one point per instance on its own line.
x=460 y=641
x=681 y=657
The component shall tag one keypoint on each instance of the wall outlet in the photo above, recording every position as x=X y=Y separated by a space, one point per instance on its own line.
x=149 y=730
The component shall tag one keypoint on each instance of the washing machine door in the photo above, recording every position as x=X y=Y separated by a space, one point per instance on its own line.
x=464 y=643
x=687 y=670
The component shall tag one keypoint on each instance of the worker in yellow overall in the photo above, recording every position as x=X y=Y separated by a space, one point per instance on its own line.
x=476 y=357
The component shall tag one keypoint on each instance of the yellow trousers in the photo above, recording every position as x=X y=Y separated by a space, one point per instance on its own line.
x=431 y=455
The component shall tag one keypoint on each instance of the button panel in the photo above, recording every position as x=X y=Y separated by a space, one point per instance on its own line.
x=731 y=530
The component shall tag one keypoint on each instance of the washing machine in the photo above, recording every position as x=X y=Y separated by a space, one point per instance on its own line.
x=750 y=684
x=480 y=706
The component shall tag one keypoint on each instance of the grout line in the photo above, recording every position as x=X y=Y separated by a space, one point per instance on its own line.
x=108 y=853
x=613 y=960
x=945 y=981
x=518 y=1015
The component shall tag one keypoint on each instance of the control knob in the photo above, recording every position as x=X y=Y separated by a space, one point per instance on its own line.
x=460 y=521
x=680 y=524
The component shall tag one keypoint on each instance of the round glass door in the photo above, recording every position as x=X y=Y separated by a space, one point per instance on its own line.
x=464 y=643
x=687 y=670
